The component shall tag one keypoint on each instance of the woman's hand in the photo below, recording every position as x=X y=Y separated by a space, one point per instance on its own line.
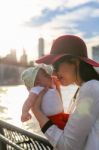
x=36 y=109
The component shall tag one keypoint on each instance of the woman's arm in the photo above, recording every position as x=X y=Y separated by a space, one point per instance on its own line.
x=78 y=126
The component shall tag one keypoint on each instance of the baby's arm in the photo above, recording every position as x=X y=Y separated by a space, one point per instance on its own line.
x=27 y=106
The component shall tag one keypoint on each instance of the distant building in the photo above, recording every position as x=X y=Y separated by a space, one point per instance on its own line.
x=10 y=74
x=23 y=59
x=95 y=53
x=13 y=55
x=10 y=58
x=41 y=47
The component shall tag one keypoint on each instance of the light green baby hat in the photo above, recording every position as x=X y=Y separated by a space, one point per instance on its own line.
x=29 y=75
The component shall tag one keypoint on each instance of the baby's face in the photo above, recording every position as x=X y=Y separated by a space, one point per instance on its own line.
x=43 y=78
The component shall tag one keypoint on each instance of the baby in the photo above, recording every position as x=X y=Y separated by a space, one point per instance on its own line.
x=36 y=79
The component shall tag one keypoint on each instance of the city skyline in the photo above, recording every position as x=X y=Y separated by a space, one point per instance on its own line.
x=23 y=22
x=12 y=54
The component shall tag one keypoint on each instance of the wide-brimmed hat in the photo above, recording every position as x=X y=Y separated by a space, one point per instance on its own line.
x=67 y=45
x=29 y=75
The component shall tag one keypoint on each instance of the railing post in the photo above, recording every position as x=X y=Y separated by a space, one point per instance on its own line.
x=2 y=145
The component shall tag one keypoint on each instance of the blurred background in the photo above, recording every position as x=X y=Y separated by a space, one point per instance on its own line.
x=27 y=31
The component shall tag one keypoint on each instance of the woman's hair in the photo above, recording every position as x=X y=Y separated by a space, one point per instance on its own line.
x=86 y=71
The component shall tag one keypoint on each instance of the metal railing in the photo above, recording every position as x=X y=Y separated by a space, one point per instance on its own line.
x=12 y=137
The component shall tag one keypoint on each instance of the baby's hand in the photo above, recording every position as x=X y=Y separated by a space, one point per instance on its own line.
x=25 y=117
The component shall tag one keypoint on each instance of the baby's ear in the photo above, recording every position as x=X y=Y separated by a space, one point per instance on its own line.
x=36 y=82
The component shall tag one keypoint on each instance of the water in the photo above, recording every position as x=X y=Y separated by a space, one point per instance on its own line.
x=12 y=99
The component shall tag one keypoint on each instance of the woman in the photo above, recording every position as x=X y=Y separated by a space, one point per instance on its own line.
x=72 y=65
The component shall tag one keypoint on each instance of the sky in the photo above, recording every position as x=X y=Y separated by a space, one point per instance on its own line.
x=23 y=22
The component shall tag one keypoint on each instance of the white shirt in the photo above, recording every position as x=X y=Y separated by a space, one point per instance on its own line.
x=82 y=129
x=51 y=103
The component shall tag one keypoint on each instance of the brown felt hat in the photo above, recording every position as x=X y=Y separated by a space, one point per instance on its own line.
x=67 y=45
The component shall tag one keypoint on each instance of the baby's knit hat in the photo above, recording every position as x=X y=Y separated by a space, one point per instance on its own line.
x=29 y=75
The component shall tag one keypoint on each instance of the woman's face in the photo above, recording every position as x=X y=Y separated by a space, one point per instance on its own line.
x=66 y=73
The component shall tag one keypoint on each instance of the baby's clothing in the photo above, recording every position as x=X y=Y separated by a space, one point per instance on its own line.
x=51 y=103
x=52 y=106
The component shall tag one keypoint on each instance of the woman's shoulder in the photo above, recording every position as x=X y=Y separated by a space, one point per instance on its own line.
x=90 y=89
x=90 y=84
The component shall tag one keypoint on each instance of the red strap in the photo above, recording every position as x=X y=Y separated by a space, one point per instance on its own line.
x=59 y=119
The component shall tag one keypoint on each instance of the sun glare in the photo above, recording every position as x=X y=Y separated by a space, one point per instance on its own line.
x=13 y=32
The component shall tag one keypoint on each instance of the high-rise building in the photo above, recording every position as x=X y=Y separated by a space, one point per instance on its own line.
x=95 y=53
x=41 y=47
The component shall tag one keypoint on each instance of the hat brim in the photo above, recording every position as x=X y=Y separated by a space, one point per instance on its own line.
x=51 y=58
x=90 y=61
